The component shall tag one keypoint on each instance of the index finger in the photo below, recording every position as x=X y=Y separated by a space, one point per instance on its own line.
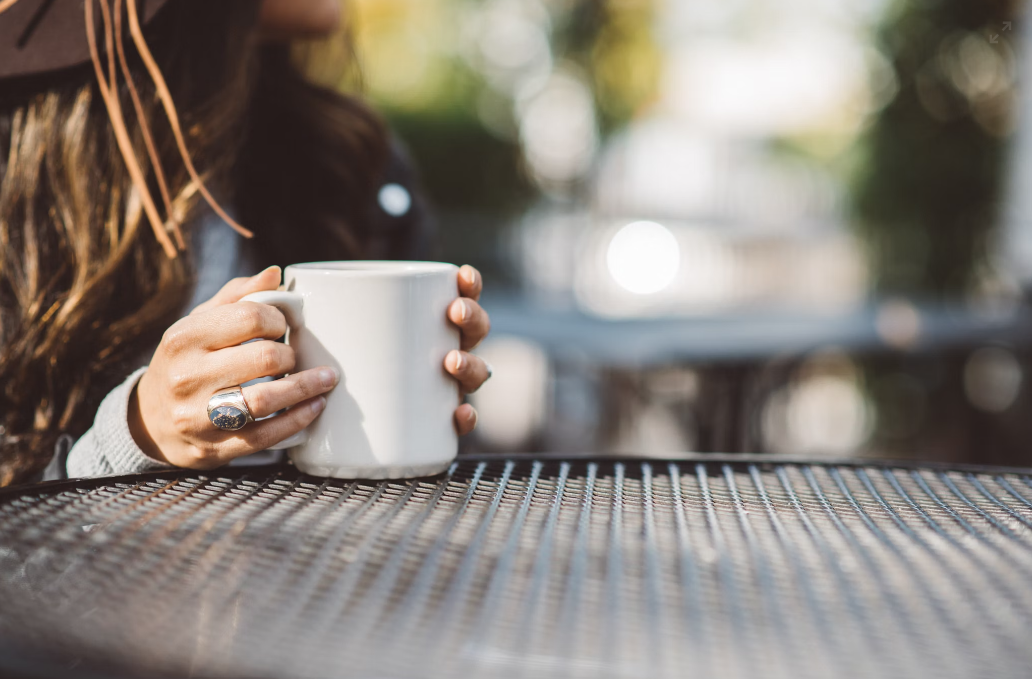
x=233 y=324
x=238 y=288
x=471 y=283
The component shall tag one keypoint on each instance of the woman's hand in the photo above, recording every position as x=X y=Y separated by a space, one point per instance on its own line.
x=202 y=353
x=474 y=324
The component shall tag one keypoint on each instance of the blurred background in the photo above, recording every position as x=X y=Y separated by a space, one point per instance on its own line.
x=788 y=226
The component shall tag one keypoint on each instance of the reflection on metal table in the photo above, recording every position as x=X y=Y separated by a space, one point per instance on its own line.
x=525 y=566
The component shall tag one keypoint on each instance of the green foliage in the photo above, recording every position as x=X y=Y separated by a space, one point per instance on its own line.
x=465 y=165
x=462 y=165
x=928 y=187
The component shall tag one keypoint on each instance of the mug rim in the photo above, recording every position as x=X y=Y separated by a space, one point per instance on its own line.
x=381 y=267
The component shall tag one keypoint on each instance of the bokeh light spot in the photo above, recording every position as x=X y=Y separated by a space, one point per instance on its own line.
x=992 y=379
x=643 y=257
x=395 y=200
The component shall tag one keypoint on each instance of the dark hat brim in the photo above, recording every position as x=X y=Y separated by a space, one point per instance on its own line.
x=42 y=36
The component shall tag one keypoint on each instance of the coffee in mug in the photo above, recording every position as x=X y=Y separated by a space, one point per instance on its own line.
x=384 y=327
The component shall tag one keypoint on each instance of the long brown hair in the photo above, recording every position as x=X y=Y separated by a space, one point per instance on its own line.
x=85 y=287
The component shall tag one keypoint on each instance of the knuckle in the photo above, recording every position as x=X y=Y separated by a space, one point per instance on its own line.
x=176 y=339
x=257 y=402
x=266 y=358
x=182 y=418
x=481 y=320
x=304 y=388
x=265 y=437
x=252 y=319
x=181 y=382
x=202 y=456
x=299 y=417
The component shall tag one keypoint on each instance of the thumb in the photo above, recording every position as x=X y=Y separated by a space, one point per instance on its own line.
x=238 y=288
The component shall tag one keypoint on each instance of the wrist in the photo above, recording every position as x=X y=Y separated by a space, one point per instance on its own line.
x=141 y=434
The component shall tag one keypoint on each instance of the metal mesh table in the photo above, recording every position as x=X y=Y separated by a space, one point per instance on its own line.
x=530 y=567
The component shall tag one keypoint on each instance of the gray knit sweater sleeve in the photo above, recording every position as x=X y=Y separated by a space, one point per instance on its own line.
x=108 y=447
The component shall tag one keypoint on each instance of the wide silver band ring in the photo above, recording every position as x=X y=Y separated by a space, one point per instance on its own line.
x=227 y=409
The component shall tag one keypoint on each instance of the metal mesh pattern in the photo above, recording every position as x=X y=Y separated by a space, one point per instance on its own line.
x=532 y=568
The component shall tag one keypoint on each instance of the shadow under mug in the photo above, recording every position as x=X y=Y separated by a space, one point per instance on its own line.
x=384 y=327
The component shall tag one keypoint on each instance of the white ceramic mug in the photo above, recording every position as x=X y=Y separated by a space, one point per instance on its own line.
x=384 y=327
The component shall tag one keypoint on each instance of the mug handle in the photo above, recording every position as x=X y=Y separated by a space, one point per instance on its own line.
x=292 y=305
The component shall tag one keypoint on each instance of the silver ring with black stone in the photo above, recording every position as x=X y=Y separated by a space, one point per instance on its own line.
x=227 y=409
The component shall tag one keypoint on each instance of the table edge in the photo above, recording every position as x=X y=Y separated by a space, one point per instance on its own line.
x=706 y=458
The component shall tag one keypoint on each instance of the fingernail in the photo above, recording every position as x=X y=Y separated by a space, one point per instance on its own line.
x=469 y=273
x=457 y=360
x=466 y=311
x=473 y=417
x=266 y=270
x=328 y=377
x=318 y=405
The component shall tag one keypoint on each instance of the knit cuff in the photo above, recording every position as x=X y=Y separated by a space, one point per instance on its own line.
x=108 y=447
